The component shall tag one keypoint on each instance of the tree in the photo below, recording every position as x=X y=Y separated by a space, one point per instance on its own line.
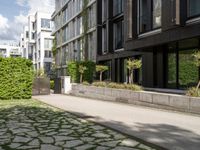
x=101 y=69
x=131 y=66
x=81 y=70
x=197 y=62
x=41 y=73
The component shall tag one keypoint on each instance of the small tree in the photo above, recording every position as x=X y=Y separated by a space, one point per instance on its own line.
x=101 y=69
x=197 y=62
x=41 y=73
x=132 y=65
x=81 y=70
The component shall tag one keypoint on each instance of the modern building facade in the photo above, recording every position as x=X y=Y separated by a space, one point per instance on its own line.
x=74 y=31
x=164 y=34
x=36 y=41
x=10 y=50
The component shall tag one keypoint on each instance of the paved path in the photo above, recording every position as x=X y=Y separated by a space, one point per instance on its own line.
x=41 y=127
x=171 y=130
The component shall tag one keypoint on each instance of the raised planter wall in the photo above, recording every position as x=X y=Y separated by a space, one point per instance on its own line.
x=143 y=98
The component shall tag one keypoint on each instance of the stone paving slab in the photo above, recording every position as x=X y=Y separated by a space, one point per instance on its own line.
x=45 y=128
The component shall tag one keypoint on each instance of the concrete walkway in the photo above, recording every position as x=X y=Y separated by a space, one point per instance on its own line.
x=171 y=130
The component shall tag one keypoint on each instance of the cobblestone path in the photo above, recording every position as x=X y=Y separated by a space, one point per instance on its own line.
x=42 y=127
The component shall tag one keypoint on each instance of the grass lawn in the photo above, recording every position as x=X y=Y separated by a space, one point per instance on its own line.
x=29 y=124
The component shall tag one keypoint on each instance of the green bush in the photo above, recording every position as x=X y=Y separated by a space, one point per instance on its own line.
x=87 y=75
x=133 y=87
x=116 y=85
x=52 y=84
x=193 y=92
x=73 y=71
x=99 y=84
x=86 y=83
x=16 y=78
x=113 y=85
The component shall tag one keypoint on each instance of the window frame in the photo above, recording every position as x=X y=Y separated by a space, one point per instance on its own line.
x=151 y=18
x=114 y=34
x=188 y=8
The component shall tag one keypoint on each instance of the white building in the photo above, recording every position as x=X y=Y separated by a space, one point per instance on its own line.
x=36 y=41
x=7 y=50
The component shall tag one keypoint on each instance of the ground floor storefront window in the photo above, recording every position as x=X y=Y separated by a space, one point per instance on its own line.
x=182 y=70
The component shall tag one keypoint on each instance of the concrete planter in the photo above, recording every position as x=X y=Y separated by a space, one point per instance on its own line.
x=150 y=99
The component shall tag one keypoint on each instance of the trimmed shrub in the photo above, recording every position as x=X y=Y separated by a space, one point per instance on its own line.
x=99 y=84
x=133 y=87
x=86 y=83
x=16 y=78
x=88 y=75
x=52 y=84
x=114 y=85
x=73 y=71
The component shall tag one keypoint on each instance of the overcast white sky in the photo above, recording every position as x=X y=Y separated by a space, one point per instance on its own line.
x=13 y=15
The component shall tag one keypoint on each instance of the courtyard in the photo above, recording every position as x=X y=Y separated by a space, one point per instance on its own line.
x=29 y=124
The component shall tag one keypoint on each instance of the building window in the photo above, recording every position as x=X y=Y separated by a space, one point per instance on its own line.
x=45 y=23
x=47 y=54
x=104 y=40
x=104 y=10
x=149 y=15
x=193 y=8
x=118 y=35
x=47 y=43
x=182 y=71
x=118 y=7
x=27 y=34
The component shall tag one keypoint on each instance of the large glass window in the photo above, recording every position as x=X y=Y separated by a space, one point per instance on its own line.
x=104 y=39
x=47 y=43
x=46 y=23
x=193 y=8
x=182 y=71
x=104 y=10
x=149 y=15
x=118 y=35
x=172 y=67
x=156 y=13
x=118 y=7
x=188 y=71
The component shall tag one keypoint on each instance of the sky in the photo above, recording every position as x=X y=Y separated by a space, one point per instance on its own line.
x=14 y=16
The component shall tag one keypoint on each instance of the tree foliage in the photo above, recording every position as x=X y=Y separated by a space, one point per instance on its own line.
x=81 y=70
x=73 y=71
x=101 y=69
x=16 y=78
x=133 y=65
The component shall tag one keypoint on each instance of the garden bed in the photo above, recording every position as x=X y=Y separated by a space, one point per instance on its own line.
x=151 y=99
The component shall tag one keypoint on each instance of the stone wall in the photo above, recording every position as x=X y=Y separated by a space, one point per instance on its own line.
x=150 y=99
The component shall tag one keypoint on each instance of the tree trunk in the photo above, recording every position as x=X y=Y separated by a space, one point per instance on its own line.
x=129 y=77
x=132 y=78
x=101 y=76
x=81 y=78
x=198 y=86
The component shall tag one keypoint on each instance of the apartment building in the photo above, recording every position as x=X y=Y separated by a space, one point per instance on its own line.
x=10 y=50
x=75 y=32
x=36 y=41
x=163 y=34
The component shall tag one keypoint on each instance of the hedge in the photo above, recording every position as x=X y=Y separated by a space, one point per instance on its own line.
x=88 y=75
x=16 y=77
